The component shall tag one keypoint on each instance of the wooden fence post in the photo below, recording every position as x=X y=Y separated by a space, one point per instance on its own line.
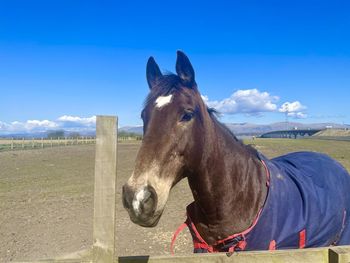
x=339 y=254
x=42 y=143
x=105 y=189
x=11 y=143
x=22 y=143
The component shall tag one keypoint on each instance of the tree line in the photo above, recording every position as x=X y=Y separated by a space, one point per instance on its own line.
x=58 y=134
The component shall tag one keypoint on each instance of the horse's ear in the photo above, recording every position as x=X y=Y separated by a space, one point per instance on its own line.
x=152 y=72
x=184 y=69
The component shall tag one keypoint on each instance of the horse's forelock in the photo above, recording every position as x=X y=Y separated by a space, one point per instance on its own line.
x=165 y=86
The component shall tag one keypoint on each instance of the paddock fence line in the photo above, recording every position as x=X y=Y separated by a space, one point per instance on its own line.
x=129 y=138
x=9 y=144
x=40 y=143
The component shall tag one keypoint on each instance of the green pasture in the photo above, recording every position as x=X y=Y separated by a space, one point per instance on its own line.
x=339 y=150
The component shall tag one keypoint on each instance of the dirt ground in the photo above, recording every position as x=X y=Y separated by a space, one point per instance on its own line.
x=46 y=201
x=46 y=205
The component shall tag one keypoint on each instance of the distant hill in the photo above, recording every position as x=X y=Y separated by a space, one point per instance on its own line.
x=239 y=129
x=258 y=129
x=24 y=135
x=334 y=133
x=36 y=135
x=132 y=129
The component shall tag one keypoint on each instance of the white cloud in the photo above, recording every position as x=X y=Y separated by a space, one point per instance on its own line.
x=4 y=126
x=291 y=107
x=75 y=119
x=297 y=115
x=27 y=126
x=33 y=124
x=254 y=102
x=250 y=101
x=66 y=122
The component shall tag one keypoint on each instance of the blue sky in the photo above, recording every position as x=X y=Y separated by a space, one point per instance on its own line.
x=63 y=62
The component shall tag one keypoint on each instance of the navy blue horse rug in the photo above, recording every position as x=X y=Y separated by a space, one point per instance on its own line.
x=308 y=205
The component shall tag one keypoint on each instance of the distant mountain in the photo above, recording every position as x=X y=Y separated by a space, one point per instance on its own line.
x=132 y=129
x=24 y=135
x=239 y=129
x=35 y=135
x=258 y=129
x=334 y=133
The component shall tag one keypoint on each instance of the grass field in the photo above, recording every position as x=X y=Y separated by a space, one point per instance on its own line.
x=46 y=200
x=334 y=133
x=339 y=150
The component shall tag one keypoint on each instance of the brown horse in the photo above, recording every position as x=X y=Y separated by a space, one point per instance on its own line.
x=242 y=200
x=182 y=138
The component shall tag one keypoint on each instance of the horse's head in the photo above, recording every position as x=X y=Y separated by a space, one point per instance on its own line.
x=173 y=117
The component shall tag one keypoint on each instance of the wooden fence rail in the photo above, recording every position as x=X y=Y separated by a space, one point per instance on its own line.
x=40 y=143
x=34 y=143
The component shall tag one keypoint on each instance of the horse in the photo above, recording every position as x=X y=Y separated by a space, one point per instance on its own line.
x=242 y=199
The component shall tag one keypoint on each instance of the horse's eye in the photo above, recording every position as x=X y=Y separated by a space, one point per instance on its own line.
x=187 y=116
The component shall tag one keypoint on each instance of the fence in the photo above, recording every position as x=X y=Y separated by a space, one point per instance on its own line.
x=103 y=248
x=129 y=138
x=40 y=143
x=34 y=143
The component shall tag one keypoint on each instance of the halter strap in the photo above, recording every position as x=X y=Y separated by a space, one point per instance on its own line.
x=177 y=232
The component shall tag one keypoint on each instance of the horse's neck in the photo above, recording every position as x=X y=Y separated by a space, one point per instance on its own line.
x=229 y=187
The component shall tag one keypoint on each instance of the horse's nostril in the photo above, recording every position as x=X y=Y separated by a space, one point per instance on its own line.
x=146 y=197
x=147 y=205
x=149 y=202
x=126 y=197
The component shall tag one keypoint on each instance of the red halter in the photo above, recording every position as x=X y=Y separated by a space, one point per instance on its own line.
x=238 y=239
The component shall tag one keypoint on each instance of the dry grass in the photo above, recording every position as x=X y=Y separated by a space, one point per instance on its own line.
x=339 y=150
x=334 y=133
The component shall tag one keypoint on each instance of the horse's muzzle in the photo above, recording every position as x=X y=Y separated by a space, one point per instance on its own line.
x=141 y=205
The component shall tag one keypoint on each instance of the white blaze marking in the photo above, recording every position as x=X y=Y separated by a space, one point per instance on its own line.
x=137 y=199
x=163 y=100
x=141 y=195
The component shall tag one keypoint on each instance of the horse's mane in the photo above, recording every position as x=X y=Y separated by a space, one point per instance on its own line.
x=213 y=114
